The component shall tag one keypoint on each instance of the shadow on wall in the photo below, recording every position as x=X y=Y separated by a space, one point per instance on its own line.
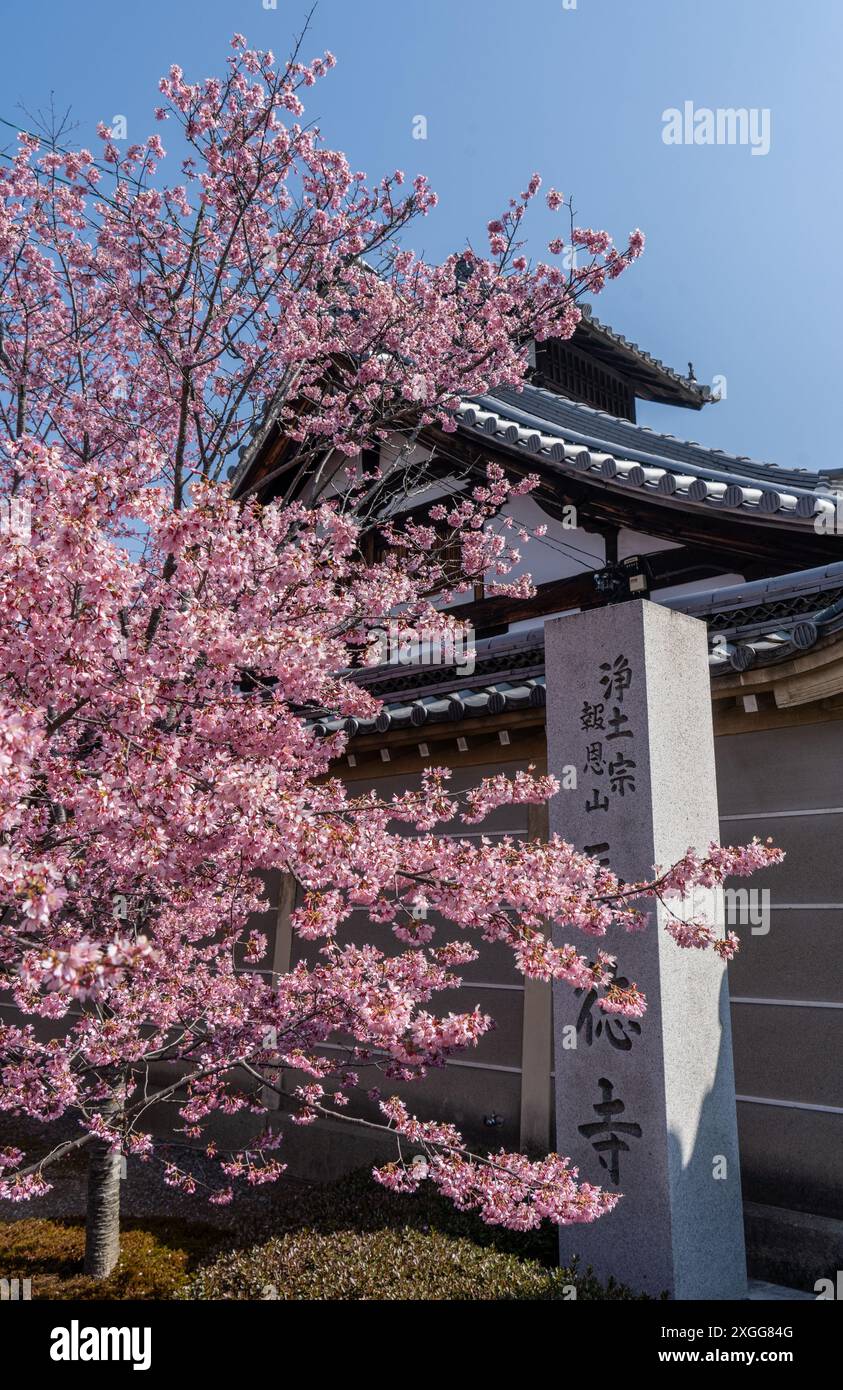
x=786 y=1247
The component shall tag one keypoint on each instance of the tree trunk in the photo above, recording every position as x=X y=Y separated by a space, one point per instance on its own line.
x=102 y=1224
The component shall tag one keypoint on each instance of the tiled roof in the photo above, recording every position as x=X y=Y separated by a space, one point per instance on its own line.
x=768 y=620
x=508 y=674
x=593 y=328
x=620 y=455
x=468 y=702
x=755 y=624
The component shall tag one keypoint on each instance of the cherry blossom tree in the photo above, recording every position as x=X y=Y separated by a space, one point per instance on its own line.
x=165 y=648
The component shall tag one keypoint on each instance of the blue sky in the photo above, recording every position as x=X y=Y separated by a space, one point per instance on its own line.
x=742 y=273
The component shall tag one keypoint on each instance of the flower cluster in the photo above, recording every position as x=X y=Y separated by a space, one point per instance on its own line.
x=161 y=645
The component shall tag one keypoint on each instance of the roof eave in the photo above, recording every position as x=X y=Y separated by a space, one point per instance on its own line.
x=651 y=378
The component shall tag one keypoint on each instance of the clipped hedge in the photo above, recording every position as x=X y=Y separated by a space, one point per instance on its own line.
x=349 y=1240
x=382 y=1265
x=352 y=1240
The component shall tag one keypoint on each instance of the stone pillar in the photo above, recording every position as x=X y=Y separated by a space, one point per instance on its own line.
x=645 y=1107
x=282 y=946
x=282 y=953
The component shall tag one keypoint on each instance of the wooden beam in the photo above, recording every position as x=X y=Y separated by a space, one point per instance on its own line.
x=536 y=1038
x=527 y=746
x=776 y=545
x=282 y=956
x=667 y=567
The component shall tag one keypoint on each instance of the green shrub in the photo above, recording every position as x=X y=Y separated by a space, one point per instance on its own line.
x=384 y=1265
x=353 y=1240
x=348 y=1240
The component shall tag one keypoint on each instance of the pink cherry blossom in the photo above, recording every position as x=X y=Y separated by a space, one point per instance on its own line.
x=167 y=650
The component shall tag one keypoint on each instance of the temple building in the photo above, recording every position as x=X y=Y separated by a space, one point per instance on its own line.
x=752 y=549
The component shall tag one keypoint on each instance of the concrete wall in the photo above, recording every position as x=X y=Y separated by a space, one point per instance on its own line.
x=787 y=983
x=484 y=1082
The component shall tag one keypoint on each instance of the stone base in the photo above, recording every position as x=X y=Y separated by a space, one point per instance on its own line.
x=794 y=1248
x=759 y=1292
